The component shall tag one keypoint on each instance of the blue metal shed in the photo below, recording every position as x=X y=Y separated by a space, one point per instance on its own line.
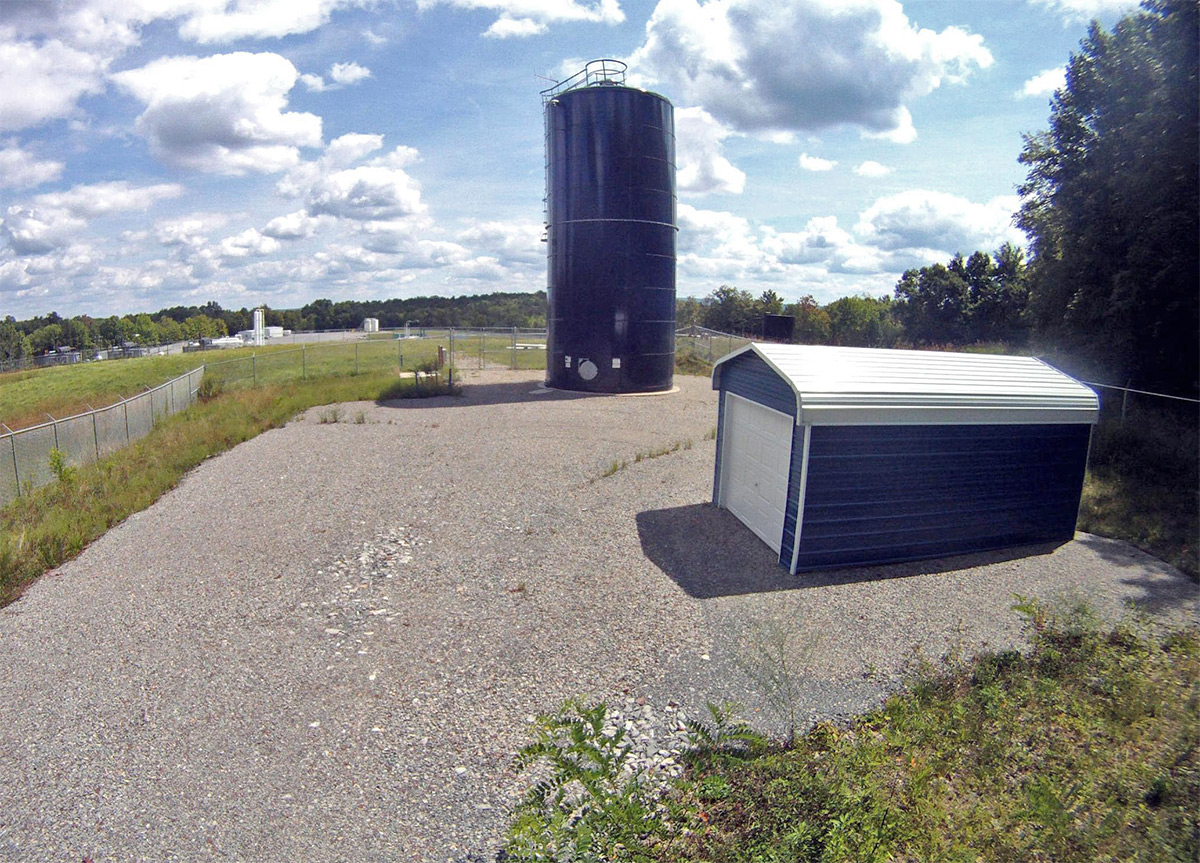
x=852 y=456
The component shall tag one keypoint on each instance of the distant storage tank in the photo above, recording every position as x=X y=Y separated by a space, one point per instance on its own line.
x=610 y=217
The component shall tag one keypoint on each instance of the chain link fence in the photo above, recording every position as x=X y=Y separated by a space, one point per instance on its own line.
x=494 y=347
x=696 y=343
x=25 y=461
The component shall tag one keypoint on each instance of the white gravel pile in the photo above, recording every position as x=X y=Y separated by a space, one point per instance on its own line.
x=325 y=644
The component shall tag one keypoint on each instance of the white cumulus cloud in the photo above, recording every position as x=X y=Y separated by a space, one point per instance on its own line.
x=20 y=169
x=815 y=163
x=248 y=243
x=224 y=113
x=531 y=17
x=223 y=21
x=777 y=66
x=54 y=219
x=701 y=166
x=1044 y=83
x=348 y=73
x=505 y=27
x=293 y=226
x=43 y=80
x=919 y=219
x=871 y=168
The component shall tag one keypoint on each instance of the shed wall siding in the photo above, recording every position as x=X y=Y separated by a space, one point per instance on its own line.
x=749 y=376
x=888 y=493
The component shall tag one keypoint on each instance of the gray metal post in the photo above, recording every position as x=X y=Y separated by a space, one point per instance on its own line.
x=254 y=367
x=1124 y=405
x=125 y=404
x=481 y=350
x=12 y=439
x=303 y=363
x=399 y=355
x=514 y=348
x=450 y=374
x=356 y=357
x=54 y=422
x=95 y=432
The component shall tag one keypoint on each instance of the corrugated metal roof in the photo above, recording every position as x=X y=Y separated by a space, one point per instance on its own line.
x=854 y=386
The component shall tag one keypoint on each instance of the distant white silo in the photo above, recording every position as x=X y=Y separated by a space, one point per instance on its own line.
x=260 y=327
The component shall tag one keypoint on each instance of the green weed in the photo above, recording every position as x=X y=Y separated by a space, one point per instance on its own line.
x=63 y=472
x=587 y=807
x=617 y=465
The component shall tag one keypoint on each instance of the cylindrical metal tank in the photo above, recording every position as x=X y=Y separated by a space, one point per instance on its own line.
x=610 y=215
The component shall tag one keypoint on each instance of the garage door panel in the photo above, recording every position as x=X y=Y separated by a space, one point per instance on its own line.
x=756 y=455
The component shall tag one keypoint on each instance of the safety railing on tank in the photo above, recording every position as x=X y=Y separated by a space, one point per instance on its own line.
x=595 y=73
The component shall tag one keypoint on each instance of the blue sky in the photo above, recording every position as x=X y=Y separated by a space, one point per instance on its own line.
x=168 y=152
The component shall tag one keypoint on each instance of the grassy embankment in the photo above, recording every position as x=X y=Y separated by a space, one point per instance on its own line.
x=48 y=526
x=26 y=397
x=1085 y=748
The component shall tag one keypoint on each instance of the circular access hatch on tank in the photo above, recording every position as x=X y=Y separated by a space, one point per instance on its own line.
x=587 y=370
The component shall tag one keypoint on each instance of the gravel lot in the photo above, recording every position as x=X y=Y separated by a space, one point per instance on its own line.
x=326 y=644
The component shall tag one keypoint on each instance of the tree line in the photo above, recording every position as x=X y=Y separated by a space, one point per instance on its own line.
x=42 y=334
x=982 y=299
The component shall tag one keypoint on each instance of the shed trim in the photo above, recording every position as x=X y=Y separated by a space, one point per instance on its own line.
x=800 y=500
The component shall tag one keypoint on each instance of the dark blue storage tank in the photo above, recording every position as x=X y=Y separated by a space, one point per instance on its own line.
x=610 y=215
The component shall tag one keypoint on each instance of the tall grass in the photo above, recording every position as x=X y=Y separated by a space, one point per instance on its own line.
x=1085 y=749
x=1143 y=483
x=51 y=525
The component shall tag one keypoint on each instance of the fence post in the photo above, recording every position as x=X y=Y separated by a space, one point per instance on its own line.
x=356 y=357
x=254 y=368
x=1124 y=405
x=514 y=350
x=399 y=356
x=95 y=431
x=55 y=424
x=450 y=375
x=12 y=439
x=125 y=404
x=481 y=350
x=303 y=363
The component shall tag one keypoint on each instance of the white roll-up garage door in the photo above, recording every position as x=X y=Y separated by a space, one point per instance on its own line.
x=755 y=458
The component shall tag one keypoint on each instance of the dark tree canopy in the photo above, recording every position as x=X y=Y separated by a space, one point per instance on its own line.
x=1111 y=201
x=966 y=301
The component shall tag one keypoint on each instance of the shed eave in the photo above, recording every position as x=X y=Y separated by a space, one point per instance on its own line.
x=716 y=375
x=926 y=415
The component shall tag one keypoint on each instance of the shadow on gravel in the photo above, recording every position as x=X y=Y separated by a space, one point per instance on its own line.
x=479 y=395
x=1158 y=594
x=709 y=553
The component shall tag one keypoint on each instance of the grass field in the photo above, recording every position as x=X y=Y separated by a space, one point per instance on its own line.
x=26 y=397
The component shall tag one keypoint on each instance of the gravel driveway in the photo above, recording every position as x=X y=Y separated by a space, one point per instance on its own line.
x=326 y=643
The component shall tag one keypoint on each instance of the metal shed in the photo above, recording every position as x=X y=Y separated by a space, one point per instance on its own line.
x=852 y=456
